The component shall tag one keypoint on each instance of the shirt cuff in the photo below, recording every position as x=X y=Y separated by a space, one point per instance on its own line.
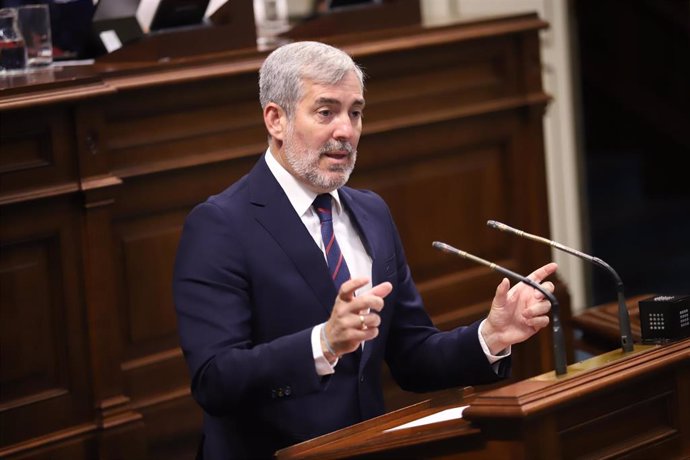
x=323 y=367
x=493 y=359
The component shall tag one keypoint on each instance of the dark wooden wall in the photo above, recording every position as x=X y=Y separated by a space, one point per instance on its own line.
x=100 y=165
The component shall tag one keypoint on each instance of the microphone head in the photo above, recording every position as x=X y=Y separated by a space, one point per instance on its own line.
x=449 y=249
x=497 y=225
x=441 y=246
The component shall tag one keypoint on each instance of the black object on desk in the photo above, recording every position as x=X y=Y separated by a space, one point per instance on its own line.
x=665 y=318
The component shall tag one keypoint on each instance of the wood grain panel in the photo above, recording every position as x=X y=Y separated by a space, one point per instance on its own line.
x=627 y=426
x=148 y=248
x=153 y=365
x=77 y=446
x=221 y=118
x=32 y=344
x=156 y=377
x=37 y=150
x=42 y=354
x=412 y=83
x=25 y=150
x=140 y=195
x=172 y=428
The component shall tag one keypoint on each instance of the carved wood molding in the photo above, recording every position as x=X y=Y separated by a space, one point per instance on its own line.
x=546 y=392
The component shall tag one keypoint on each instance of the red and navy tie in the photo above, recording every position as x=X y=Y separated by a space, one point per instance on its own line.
x=336 y=262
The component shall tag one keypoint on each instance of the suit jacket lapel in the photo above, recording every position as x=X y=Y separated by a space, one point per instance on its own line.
x=273 y=211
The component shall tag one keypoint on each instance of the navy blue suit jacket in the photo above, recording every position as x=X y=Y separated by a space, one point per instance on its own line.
x=250 y=284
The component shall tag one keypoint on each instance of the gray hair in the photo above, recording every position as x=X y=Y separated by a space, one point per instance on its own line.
x=283 y=72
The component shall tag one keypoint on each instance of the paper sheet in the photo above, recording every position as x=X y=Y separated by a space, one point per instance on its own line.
x=448 y=414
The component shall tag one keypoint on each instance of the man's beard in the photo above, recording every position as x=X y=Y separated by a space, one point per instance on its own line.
x=305 y=163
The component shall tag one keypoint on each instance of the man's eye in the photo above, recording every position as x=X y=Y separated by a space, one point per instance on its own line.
x=325 y=113
x=357 y=114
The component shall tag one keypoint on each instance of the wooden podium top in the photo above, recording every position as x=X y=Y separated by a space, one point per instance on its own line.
x=612 y=404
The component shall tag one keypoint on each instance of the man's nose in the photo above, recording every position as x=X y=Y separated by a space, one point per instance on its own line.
x=344 y=128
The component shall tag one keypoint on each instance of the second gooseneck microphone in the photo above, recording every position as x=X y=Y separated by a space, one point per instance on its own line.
x=623 y=316
x=558 y=339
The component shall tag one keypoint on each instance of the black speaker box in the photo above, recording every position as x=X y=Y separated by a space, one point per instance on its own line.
x=665 y=318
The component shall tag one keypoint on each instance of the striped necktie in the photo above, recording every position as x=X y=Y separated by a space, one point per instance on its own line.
x=336 y=262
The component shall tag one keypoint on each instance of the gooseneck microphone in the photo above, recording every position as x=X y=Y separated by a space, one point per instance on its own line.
x=558 y=340
x=623 y=316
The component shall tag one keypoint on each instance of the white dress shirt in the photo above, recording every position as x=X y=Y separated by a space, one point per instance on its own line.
x=357 y=259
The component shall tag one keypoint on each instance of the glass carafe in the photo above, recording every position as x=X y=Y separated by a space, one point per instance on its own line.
x=12 y=47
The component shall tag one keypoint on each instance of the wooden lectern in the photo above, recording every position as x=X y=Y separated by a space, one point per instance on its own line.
x=635 y=405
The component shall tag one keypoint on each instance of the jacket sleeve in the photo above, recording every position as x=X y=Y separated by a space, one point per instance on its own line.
x=214 y=309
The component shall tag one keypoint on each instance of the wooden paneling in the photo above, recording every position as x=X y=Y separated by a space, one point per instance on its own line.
x=37 y=153
x=97 y=177
x=626 y=426
x=153 y=129
x=148 y=248
x=42 y=346
x=26 y=370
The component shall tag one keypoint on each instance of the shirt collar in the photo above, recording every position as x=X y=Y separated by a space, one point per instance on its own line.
x=300 y=196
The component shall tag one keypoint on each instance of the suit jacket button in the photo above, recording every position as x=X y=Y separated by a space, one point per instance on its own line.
x=361 y=379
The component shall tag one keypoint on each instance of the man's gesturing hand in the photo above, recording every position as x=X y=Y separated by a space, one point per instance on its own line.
x=354 y=319
x=518 y=313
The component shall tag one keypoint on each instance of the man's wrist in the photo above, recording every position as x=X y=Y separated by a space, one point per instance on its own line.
x=492 y=338
x=326 y=347
x=322 y=365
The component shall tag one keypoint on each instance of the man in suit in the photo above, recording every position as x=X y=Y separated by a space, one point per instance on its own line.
x=285 y=334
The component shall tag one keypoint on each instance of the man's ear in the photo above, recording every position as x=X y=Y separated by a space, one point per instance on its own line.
x=275 y=120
